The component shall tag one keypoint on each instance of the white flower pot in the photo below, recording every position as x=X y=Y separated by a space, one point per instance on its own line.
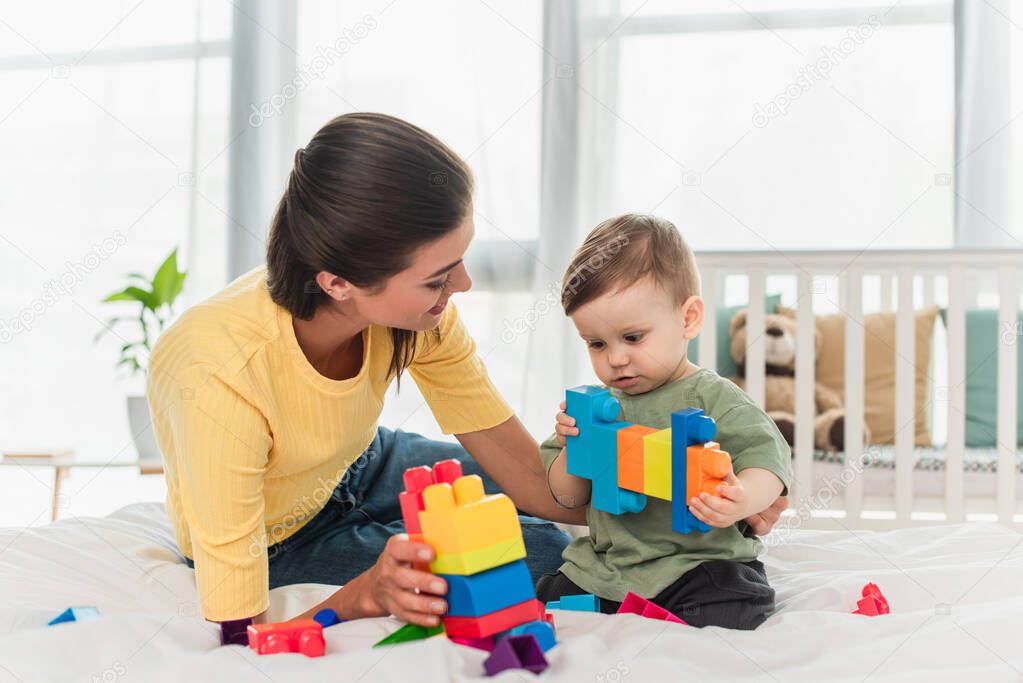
x=142 y=430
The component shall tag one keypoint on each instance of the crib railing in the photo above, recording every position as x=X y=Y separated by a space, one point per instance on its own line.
x=961 y=271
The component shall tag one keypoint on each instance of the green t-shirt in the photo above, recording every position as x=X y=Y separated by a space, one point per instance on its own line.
x=639 y=552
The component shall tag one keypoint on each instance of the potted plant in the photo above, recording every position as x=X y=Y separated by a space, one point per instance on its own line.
x=154 y=298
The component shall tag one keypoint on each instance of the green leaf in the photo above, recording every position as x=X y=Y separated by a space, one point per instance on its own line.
x=166 y=280
x=133 y=293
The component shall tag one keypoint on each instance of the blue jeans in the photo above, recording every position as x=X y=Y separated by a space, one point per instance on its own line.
x=347 y=536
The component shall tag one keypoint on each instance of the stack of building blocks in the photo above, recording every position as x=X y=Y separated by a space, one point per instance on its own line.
x=873 y=603
x=626 y=463
x=634 y=604
x=479 y=552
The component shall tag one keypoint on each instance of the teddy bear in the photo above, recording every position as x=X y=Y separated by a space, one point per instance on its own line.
x=780 y=382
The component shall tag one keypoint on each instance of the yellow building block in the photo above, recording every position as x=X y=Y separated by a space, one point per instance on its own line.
x=657 y=464
x=459 y=518
x=480 y=559
x=630 y=457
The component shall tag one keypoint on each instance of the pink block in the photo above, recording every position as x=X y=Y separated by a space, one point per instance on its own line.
x=634 y=604
x=487 y=643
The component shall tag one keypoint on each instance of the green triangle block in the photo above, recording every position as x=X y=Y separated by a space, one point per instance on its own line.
x=410 y=632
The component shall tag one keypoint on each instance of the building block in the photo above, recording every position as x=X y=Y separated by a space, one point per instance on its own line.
x=689 y=427
x=494 y=622
x=481 y=559
x=516 y=652
x=300 y=635
x=630 y=457
x=586 y=602
x=634 y=604
x=588 y=405
x=873 y=603
x=78 y=613
x=707 y=466
x=657 y=464
x=409 y=633
x=416 y=479
x=488 y=591
x=487 y=644
x=327 y=618
x=593 y=454
x=541 y=630
x=460 y=517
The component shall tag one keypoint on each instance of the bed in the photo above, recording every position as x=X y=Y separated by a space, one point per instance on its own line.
x=957 y=612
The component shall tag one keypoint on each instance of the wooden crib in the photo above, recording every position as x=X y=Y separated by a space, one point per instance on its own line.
x=900 y=281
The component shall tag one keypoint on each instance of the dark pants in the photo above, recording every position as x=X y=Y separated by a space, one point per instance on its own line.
x=716 y=593
x=347 y=536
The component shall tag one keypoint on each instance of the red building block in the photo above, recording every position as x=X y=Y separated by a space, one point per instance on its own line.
x=495 y=622
x=300 y=635
x=418 y=478
x=633 y=604
x=872 y=603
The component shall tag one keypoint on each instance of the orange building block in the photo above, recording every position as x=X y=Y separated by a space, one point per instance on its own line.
x=459 y=518
x=706 y=467
x=630 y=457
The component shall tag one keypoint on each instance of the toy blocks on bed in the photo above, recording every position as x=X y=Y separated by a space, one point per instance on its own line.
x=634 y=604
x=516 y=652
x=79 y=613
x=873 y=603
x=300 y=635
x=410 y=633
x=542 y=630
x=625 y=463
x=585 y=602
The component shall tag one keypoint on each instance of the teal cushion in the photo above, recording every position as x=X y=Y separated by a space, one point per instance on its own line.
x=982 y=334
x=726 y=367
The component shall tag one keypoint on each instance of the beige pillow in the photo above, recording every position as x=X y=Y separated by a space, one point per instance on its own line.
x=879 y=370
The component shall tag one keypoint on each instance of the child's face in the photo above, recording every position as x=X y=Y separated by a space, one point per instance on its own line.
x=637 y=337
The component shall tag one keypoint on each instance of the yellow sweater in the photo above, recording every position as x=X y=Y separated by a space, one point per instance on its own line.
x=254 y=439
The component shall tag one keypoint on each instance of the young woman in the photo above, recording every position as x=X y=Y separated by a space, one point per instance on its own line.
x=265 y=397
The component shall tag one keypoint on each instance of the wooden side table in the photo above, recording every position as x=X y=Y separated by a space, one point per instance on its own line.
x=62 y=461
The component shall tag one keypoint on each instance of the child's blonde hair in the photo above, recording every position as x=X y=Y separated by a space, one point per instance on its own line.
x=622 y=250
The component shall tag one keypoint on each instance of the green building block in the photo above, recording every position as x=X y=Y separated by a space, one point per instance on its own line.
x=410 y=632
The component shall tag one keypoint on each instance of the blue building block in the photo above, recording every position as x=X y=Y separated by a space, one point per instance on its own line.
x=327 y=618
x=588 y=405
x=541 y=630
x=594 y=453
x=586 y=602
x=688 y=427
x=80 y=613
x=488 y=591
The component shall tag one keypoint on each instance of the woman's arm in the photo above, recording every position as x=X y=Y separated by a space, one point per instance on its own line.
x=512 y=457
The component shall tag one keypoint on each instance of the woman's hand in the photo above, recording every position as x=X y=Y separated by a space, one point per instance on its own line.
x=762 y=522
x=564 y=425
x=393 y=586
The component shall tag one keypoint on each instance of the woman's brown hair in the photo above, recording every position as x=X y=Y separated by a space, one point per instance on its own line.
x=363 y=195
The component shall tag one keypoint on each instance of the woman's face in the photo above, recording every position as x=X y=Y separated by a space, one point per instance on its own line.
x=415 y=298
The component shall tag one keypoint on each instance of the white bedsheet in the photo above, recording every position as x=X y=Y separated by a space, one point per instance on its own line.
x=956 y=594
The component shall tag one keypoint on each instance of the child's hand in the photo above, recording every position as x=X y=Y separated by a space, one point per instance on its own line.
x=725 y=509
x=564 y=425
